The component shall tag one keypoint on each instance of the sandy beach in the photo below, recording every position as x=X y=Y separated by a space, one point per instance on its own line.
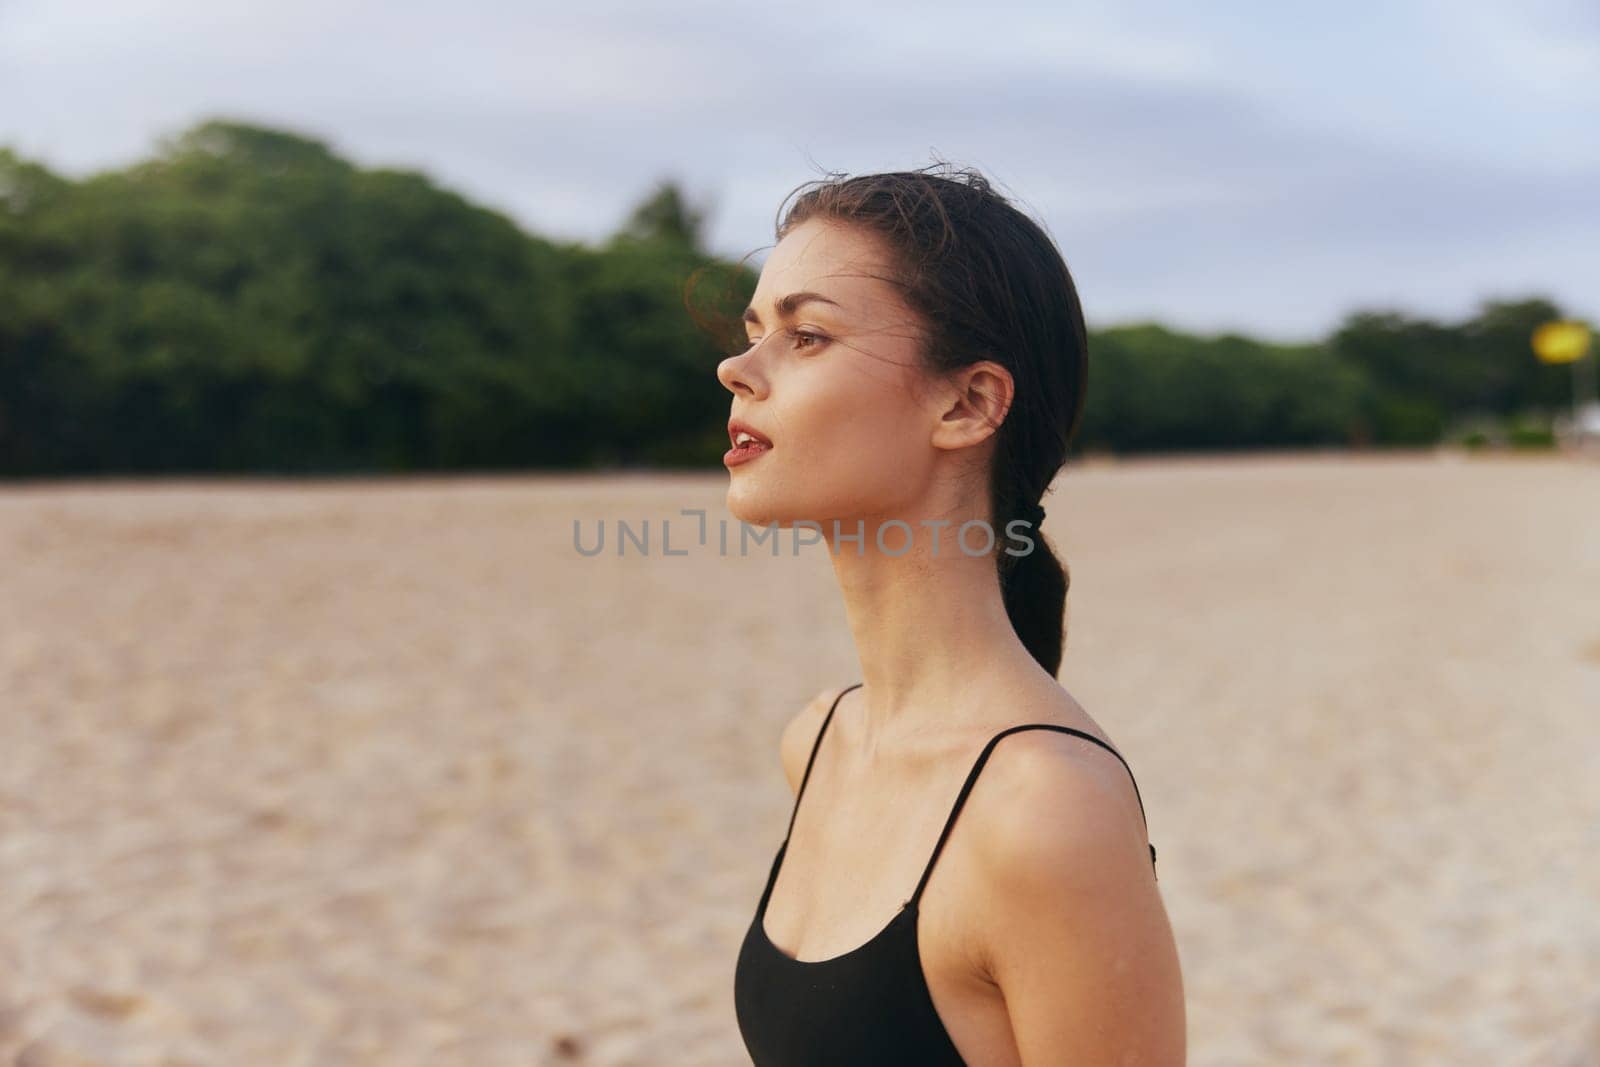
x=386 y=772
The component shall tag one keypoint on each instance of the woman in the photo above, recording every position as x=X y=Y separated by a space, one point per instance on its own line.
x=917 y=352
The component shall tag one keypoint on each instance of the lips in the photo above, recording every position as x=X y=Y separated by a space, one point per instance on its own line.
x=749 y=444
x=742 y=435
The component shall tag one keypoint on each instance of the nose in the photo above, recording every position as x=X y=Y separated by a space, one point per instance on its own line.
x=739 y=375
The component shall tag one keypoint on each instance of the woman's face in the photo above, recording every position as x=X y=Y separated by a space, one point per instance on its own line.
x=833 y=383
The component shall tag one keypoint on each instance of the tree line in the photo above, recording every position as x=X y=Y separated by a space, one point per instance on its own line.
x=247 y=300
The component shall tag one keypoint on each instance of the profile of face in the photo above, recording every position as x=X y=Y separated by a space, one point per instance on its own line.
x=832 y=378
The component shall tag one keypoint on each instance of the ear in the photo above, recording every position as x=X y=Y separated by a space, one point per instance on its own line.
x=971 y=404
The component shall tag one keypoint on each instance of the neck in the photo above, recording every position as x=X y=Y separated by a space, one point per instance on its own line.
x=930 y=625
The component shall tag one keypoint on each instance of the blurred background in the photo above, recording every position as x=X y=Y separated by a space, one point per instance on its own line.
x=322 y=324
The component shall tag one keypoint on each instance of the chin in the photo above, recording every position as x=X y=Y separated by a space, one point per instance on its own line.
x=747 y=513
x=754 y=511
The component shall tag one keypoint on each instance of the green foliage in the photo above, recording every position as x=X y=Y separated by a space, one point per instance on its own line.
x=247 y=300
x=666 y=216
x=1151 y=388
x=649 y=370
x=1530 y=431
x=1421 y=374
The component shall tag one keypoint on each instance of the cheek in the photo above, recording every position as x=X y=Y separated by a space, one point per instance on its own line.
x=865 y=450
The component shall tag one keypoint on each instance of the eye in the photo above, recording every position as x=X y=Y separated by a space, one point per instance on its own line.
x=803 y=339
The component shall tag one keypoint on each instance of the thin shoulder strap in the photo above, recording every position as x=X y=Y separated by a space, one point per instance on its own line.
x=815 y=745
x=972 y=778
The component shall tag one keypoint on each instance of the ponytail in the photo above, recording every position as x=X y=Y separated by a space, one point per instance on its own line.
x=1034 y=588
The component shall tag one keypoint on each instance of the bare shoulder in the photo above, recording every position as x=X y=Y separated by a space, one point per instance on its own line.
x=794 y=748
x=1071 y=924
x=1062 y=808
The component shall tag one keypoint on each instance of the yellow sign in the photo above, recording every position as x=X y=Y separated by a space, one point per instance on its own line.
x=1561 y=342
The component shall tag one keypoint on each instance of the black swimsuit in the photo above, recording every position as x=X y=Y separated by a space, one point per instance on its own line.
x=867 y=1006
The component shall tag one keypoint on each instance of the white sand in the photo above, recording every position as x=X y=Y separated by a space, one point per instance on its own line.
x=385 y=773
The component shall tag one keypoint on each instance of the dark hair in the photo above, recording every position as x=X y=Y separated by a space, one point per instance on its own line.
x=986 y=282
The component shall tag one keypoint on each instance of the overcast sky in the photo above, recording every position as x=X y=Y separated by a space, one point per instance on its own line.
x=1258 y=166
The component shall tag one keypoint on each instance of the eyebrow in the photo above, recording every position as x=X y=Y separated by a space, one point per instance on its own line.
x=789 y=304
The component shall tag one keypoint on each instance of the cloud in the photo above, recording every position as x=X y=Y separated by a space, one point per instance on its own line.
x=1241 y=163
